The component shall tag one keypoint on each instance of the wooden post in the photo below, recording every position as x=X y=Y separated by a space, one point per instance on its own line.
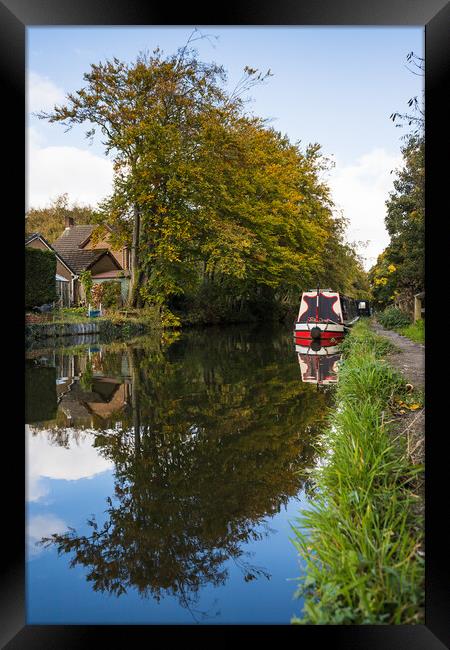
x=416 y=309
x=418 y=306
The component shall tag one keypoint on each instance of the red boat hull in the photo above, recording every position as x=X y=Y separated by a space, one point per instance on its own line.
x=305 y=335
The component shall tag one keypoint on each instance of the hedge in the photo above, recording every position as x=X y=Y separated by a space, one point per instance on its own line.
x=40 y=281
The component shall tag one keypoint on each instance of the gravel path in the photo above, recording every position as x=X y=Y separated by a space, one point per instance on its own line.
x=410 y=361
x=411 y=358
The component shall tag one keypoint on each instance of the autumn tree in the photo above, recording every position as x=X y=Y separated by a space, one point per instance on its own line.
x=401 y=268
x=50 y=220
x=399 y=271
x=147 y=112
x=208 y=196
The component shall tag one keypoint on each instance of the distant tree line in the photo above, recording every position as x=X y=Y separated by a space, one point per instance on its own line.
x=49 y=221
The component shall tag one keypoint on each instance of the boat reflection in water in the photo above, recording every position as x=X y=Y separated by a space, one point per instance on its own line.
x=319 y=364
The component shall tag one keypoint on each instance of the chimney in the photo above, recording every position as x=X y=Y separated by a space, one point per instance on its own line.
x=69 y=222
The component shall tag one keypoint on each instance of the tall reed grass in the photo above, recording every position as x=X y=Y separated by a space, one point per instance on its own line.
x=361 y=538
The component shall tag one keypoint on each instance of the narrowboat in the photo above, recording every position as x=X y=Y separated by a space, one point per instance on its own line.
x=324 y=316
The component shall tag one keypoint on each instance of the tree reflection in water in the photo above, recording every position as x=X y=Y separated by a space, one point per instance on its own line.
x=219 y=429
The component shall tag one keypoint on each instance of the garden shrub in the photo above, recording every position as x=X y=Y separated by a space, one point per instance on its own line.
x=111 y=295
x=40 y=280
x=87 y=283
x=96 y=294
x=392 y=317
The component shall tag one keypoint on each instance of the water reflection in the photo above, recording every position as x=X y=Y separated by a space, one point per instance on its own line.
x=319 y=364
x=207 y=438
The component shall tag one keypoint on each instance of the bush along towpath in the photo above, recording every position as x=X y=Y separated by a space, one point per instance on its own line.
x=361 y=539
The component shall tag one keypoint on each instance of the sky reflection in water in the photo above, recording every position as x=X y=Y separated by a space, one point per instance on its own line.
x=167 y=475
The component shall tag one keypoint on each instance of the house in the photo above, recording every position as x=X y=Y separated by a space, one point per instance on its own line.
x=76 y=252
x=75 y=245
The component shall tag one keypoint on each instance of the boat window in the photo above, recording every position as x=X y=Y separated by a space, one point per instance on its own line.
x=310 y=312
x=326 y=308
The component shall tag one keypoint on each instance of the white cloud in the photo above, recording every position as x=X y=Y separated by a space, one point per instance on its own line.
x=42 y=94
x=360 y=191
x=53 y=170
x=39 y=526
x=44 y=460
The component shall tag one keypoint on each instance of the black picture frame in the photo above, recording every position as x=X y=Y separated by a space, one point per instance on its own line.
x=434 y=15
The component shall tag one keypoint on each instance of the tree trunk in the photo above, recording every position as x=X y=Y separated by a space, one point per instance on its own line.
x=133 y=295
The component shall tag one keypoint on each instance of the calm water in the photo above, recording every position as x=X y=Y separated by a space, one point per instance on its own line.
x=167 y=473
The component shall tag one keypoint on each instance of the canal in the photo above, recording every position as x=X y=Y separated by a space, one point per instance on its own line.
x=164 y=475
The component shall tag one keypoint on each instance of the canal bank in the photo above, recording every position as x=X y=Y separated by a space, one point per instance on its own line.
x=107 y=329
x=362 y=536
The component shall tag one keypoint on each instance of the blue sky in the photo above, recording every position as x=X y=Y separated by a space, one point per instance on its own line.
x=333 y=85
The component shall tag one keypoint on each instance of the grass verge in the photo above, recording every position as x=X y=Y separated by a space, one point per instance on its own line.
x=415 y=331
x=361 y=538
x=394 y=319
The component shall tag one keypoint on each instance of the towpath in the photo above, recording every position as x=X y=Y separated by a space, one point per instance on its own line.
x=410 y=359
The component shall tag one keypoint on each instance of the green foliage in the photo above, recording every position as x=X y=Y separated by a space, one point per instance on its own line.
x=399 y=271
x=50 y=221
x=392 y=318
x=40 y=393
x=87 y=283
x=111 y=295
x=70 y=315
x=169 y=320
x=40 y=281
x=383 y=279
x=364 y=341
x=87 y=377
x=361 y=538
x=415 y=331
